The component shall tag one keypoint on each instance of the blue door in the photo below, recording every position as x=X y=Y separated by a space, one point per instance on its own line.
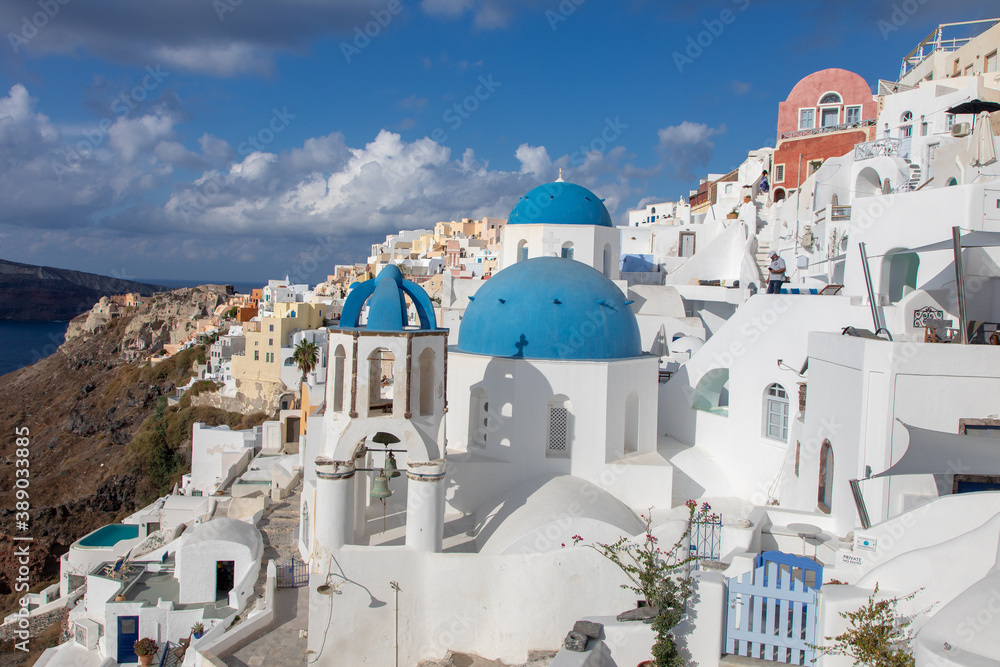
x=128 y=635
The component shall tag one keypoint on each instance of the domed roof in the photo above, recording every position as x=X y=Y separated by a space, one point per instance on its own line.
x=550 y=308
x=386 y=299
x=560 y=203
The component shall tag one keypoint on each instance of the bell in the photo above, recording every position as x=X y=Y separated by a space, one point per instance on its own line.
x=380 y=487
x=390 y=467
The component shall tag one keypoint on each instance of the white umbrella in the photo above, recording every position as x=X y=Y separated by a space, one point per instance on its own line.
x=984 y=150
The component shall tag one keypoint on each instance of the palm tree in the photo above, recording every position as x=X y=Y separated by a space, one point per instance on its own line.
x=306 y=356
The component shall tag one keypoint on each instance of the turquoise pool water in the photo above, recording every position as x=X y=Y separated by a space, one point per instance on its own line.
x=110 y=535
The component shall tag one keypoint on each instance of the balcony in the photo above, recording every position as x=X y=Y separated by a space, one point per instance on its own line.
x=885 y=147
x=828 y=129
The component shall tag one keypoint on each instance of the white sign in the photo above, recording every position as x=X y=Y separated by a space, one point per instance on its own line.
x=867 y=543
x=851 y=559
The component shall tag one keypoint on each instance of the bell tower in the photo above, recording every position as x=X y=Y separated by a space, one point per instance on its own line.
x=383 y=462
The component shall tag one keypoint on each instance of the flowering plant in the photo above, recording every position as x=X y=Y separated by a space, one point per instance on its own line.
x=660 y=576
x=146 y=646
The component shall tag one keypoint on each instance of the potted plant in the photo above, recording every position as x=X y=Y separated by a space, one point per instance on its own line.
x=735 y=213
x=197 y=630
x=146 y=648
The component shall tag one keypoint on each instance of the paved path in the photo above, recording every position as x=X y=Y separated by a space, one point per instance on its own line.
x=281 y=646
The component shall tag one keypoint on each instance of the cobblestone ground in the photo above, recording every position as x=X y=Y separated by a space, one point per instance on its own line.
x=282 y=645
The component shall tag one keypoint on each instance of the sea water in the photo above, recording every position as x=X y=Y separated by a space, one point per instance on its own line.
x=24 y=343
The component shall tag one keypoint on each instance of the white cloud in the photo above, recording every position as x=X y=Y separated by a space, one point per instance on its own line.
x=687 y=146
x=130 y=136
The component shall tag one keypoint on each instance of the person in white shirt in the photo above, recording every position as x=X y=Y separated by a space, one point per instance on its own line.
x=776 y=273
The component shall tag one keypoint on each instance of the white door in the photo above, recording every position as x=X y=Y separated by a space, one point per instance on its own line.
x=687 y=244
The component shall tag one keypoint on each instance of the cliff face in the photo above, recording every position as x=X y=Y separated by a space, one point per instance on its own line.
x=44 y=293
x=82 y=406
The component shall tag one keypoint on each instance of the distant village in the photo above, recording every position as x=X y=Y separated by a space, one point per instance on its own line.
x=786 y=383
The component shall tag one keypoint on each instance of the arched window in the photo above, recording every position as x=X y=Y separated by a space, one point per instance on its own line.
x=776 y=412
x=607 y=260
x=951 y=181
x=632 y=423
x=825 y=496
x=522 y=250
x=427 y=381
x=559 y=435
x=567 y=250
x=304 y=525
x=479 y=420
x=339 y=359
x=380 y=380
x=906 y=117
x=831 y=98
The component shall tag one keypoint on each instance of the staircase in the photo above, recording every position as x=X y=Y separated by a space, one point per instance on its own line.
x=916 y=175
x=765 y=232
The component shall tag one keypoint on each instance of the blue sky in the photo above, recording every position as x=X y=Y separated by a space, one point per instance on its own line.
x=243 y=139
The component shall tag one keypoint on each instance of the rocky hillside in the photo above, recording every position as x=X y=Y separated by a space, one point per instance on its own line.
x=82 y=407
x=30 y=292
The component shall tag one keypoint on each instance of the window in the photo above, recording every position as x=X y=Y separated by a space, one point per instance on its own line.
x=968 y=70
x=831 y=98
x=339 y=363
x=567 y=250
x=558 y=441
x=852 y=115
x=949 y=120
x=270 y=327
x=906 y=117
x=825 y=495
x=632 y=423
x=807 y=119
x=270 y=341
x=776 y=413
x=479 y=422
x=256 y=355
x=522 y=250
x=830 y=117
x=990 y=64
x=906 y=131
x=427 y=382
x=923 y=129
x=779 y=173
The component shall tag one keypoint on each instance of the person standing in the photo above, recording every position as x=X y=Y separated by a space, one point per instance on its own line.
x=776 y=274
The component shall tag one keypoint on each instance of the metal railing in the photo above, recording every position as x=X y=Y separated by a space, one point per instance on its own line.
x=885 y=147
x=936 y=42
x=829 y=128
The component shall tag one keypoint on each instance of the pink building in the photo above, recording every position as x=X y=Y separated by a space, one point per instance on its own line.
x=825 y=115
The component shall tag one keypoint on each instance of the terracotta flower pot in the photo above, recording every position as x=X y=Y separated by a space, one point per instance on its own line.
x=145 y=660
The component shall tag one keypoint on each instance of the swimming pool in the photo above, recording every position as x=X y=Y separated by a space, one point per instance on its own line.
x=109 y=535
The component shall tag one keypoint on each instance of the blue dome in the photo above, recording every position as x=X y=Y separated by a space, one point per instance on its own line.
x=550 y=308
x=560 y=204
x=386 y=299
